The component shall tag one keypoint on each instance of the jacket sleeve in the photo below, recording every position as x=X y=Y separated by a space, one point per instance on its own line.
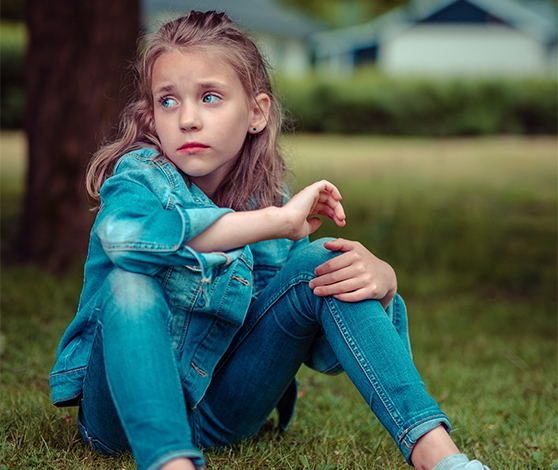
x=145 y=222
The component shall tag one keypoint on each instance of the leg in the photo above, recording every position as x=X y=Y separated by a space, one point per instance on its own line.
x=277 y=337
x=132 y=396
x=432 y=448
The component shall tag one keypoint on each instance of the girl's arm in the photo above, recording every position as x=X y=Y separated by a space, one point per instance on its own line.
x=352 y=276
x=295 y=220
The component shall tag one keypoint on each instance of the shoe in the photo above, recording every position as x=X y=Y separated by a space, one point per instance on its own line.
x=475 y=465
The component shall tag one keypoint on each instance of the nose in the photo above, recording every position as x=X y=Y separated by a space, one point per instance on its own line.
x=190 y=119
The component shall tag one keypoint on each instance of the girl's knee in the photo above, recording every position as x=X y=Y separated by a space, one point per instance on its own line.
x=132 y=294
x=314 y=254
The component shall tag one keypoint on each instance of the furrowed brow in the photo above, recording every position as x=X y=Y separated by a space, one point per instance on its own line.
x=163 y=89
x=212 y=84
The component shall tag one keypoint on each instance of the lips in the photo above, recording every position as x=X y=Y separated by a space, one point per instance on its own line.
x=192 y=147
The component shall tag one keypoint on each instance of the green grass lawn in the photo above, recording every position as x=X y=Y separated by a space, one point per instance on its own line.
x=470 y=226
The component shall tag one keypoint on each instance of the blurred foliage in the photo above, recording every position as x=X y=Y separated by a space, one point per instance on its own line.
x=342 y=13
x=370 y=103
x=13 y=42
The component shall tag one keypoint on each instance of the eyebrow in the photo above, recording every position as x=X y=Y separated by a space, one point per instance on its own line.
x=212 y=84
x=204 y=86
x=163 y=89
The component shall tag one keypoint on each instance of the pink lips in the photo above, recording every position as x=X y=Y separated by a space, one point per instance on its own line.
x=192 y=147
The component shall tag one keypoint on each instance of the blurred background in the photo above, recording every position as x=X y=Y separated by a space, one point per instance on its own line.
x=437 y=119
x=427 y=68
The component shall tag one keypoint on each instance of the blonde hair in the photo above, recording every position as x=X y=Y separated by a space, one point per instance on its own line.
x=257 y=180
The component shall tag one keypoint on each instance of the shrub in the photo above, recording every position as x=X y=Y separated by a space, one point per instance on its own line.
x=12 y=94
x=369 y=103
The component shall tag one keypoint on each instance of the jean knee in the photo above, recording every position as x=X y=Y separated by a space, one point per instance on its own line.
x=133 y=296
x=313 y=255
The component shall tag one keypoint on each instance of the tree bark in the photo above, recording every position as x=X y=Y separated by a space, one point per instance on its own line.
x=78 y=54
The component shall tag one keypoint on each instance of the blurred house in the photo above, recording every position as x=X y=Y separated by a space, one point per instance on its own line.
x=448 y=37
x=282 y=34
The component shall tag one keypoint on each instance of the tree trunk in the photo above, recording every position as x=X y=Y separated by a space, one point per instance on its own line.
x=76 y=74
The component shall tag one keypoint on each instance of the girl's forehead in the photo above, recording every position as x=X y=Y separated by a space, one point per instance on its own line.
x=193 y=65
x=202 y=59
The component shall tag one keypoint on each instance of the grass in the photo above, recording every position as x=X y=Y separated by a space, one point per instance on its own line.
x=470 y=227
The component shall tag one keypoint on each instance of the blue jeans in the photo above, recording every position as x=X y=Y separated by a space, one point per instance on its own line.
x=132 y=396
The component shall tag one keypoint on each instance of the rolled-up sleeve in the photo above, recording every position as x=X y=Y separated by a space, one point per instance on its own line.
x=145 y=222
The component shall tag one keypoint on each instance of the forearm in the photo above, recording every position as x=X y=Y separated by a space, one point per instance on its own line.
x=295 y=220
x=237 y=229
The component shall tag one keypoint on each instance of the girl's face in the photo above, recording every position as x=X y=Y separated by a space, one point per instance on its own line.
x=202 y=115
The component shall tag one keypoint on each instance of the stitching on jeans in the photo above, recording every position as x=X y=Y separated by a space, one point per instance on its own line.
x=368 y=371
x=242 y=281
x=198 y=370
x=406 y=431
x=68 y=371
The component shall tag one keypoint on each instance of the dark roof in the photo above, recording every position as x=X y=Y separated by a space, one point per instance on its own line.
x=262 y=16
x=534 y=18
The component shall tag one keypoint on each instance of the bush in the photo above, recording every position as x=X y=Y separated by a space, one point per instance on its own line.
x=12 y=93
x=369 y=103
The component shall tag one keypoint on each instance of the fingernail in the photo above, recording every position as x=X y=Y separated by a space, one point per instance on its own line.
x=317 y=291
x=311 y=285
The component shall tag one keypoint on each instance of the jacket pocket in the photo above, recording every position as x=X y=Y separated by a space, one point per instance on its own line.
x=227 y=297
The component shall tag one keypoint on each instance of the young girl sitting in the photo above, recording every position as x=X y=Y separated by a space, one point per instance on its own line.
x=202 y=295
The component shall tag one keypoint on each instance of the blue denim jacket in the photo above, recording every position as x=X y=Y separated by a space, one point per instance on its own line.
x=147 y=215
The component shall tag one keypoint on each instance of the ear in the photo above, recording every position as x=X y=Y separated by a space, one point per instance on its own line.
x=260 y=113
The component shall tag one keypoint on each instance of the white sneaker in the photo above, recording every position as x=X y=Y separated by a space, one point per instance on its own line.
x=475 y=465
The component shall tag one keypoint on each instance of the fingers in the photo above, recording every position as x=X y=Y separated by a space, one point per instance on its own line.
x=340 y=244
x=349 y=290
x=314 y=224
x=328 y=202
x=330 y=188
x=342 y=261
x=354 y=275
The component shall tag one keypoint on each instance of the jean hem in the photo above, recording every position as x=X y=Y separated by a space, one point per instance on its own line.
x=415 y=432
x=195 y=455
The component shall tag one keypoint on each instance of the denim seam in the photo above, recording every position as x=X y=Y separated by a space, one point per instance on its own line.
x=186 y=322
x=405 y=432
x=69 y=371
x=199 y=345
x=368 y=371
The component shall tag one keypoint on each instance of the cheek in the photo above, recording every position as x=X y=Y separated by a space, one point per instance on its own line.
x=160 y=128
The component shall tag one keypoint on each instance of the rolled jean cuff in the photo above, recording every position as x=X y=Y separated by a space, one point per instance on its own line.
x=419 y=429
x=193 y=454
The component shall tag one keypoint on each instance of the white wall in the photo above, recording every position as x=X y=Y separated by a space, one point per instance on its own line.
x=464 y=49
x=287 y=55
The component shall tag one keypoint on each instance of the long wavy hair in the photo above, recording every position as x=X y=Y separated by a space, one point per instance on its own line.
x=257 y=180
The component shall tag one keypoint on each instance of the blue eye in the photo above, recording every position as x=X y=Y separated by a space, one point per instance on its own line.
x=167 y=102
x=211 y=98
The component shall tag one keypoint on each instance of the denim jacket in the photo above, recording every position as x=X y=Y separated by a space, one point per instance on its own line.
x=148 y=213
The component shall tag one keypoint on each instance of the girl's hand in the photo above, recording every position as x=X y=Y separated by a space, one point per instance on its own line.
x=355 y=275
x=321 y=198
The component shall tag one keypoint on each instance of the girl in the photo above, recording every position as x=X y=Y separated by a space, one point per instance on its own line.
x=202 y=295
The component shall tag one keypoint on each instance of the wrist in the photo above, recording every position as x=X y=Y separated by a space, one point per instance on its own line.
x=276 y=218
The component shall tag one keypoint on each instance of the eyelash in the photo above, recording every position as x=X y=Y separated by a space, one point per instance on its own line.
x=163 y=99
x=207 y=95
